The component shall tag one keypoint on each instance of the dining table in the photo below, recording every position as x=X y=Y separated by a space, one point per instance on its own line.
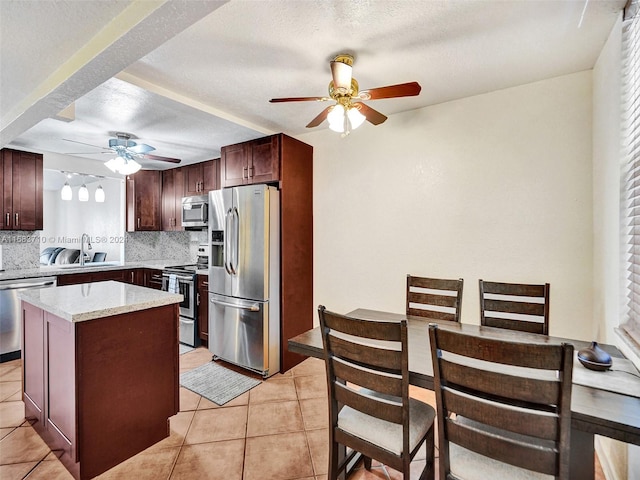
x=603 y=403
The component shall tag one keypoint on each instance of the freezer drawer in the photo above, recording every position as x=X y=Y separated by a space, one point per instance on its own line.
x=240 y=333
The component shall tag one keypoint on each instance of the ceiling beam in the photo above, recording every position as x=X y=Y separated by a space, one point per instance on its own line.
x=139 y=29
x=198 y=105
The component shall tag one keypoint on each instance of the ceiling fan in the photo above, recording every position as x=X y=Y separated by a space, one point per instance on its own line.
x=126 y=152
x=350 y=112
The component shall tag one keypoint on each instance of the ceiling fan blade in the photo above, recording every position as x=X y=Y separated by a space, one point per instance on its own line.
x=370 y=114
x=82 y=143
x=141 y=148
x=299 y=99
x=161 y=159
x=320 y=118
x=410 y=89
x=110 y=152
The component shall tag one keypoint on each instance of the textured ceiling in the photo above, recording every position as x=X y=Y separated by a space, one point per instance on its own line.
x=194 y=76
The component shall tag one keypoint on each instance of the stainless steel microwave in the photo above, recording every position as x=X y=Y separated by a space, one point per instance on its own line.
x=195 y=212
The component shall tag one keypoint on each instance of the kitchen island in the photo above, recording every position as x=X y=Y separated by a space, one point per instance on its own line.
x=100 y=370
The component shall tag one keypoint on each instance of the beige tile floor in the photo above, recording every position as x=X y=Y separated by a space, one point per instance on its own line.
x=275 y=431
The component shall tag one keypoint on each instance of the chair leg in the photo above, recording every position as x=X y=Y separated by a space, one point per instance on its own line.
x=333 y=461
x=430 y=468
x=367 y=462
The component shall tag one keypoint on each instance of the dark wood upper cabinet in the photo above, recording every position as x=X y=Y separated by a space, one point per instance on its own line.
x=172 y=193
x=21 y=182
x=211 y=175
x=144 y=205
x=256 y=161
x=200 y=178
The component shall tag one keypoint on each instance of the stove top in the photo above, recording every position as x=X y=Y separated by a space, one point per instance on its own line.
x=186 y=268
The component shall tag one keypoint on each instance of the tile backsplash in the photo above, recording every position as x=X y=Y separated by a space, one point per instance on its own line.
x=178 y=246
x=21 y=249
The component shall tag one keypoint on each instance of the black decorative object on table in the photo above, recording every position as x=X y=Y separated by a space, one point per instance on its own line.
x=594 y=358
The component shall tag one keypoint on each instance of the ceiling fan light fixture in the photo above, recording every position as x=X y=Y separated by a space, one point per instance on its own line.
x=83 y=193
x=355 y=117
x=115 y=164
x=66 y=193
x=129 y=168
x=99 y=195
x=336 y=118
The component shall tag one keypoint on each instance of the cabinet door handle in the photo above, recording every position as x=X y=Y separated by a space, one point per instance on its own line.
x=197 y=298
x=8 y=219
x=17 y=220
x=245 y=172
x=138 y=222
x=251 y=171
x=132 y=277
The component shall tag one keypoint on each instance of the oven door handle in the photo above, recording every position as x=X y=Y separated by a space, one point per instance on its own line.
x=182 y=278
x=187 y=322
x=253 y=308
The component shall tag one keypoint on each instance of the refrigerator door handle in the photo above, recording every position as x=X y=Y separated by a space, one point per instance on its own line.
x=254 y=308
x=227 y=244
x=236 y=235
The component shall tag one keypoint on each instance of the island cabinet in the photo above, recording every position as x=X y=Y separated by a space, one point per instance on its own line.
x=99 y=390
x=256 y=161
x=203 y=309
x=21 y=182
x=200 y=178
x=172 y=193
x=143 y=201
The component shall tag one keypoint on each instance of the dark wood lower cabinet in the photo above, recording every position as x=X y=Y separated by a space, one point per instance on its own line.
x=152 y=278
x=134 y=276
x=203 y=309
x=100 y=391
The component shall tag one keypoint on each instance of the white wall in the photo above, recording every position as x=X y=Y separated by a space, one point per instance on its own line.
x=606 y=187
x=68 y=220
x=496 y=186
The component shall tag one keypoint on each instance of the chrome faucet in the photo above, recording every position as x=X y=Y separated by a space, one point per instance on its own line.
x=84 y=235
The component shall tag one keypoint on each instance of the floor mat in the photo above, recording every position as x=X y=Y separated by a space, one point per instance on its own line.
x=217 y=383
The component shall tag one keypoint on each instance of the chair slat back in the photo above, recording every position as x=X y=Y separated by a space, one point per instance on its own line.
x=362 y=357
x=506 y=400
x=434 y=298
x=515 y=306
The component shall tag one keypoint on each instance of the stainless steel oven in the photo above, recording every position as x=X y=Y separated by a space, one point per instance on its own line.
x=180 y=280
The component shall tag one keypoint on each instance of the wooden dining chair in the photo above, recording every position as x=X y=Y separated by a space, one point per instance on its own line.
x=434 y=298
x=515 y=306
x=369 y=406
x=504 y=408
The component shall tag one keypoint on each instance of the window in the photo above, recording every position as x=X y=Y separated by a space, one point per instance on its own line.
x=631 y=164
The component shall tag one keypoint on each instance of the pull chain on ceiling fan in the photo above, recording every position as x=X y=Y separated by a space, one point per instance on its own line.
x=350 y=112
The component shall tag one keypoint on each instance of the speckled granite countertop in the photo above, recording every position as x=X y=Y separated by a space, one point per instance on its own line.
x=54 y=270
x=88 y=301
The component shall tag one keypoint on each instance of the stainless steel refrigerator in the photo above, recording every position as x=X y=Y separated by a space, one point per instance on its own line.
x=244 y=277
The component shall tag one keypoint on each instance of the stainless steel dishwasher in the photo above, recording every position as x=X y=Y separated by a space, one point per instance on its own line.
x=10 y=318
